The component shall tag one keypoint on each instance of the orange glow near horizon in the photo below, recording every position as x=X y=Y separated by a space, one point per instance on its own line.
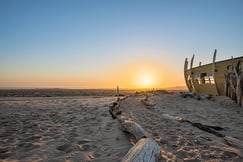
x=135 y=75
x=140 y=75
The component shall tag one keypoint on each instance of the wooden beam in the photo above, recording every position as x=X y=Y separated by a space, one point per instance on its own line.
x=214 y=55
x=192 y=61
x=214 y=70
x=186 y=75
x=185 y=65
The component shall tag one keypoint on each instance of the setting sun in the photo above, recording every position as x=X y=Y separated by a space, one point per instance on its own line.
x=146 y=80
x=142 y=74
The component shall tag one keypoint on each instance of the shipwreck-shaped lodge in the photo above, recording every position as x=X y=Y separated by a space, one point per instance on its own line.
x=217 y=78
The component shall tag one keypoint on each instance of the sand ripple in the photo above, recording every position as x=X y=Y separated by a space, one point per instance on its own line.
x=60 y=129
x=189 y=129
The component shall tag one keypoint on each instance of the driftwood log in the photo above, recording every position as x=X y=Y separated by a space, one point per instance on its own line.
x=239 y=81
x=230 y=82
x=133 y=129
x=114 y=110
x=128 y=126
x=145 y=150
x=234 y=82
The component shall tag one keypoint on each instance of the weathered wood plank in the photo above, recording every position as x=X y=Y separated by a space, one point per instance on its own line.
x=114 y=110
x=145 y=150
x=192 y=61
x=133 y=128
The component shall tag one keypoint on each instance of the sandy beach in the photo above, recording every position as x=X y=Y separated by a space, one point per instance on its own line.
x=187 y=127
x=119 y=81
x=59 y=129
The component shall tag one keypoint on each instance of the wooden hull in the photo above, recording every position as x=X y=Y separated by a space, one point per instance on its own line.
x=210 y=78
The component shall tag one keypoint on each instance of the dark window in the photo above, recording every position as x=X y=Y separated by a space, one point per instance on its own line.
x=204 y=78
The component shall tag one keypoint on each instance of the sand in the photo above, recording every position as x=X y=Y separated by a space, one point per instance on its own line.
x=187 y=127
x=174 y=119
x=60 y=129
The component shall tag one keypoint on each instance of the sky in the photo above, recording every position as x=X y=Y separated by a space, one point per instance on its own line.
x=105 y=43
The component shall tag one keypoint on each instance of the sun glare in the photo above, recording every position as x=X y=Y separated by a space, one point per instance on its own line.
x=141 y=75
x=146 y=80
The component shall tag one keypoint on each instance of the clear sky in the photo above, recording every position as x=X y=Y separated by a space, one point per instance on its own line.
x=104 y=43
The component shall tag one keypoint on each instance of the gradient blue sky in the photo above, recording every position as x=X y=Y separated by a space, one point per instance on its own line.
x=95 y=43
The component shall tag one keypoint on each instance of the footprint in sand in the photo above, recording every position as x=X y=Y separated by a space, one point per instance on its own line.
x=4 y=153
x=27 y=146
x=68 y=147
x=84 y=145
x=33 y=138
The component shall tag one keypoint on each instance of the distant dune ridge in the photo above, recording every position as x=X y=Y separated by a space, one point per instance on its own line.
x=185 y=126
